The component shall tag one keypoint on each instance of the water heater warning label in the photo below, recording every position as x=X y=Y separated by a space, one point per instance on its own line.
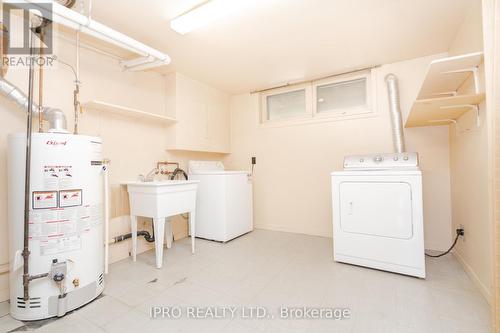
x=44 y=199
x=55 y=246
x=58 y=176
x=58 y=223
x=70 y=198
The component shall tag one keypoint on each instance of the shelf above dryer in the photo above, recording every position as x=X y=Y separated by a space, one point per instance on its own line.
x=439 y=101
x=441 y=111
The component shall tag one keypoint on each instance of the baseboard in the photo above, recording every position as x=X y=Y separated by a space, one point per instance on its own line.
x=470 y=272
x=4 y=295
x=278 y=227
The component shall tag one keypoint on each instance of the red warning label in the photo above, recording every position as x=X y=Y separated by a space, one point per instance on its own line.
x=70 y=198
x=44 y=199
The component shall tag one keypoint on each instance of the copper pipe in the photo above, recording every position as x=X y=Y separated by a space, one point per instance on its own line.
x=76 y=92
x=166 y=164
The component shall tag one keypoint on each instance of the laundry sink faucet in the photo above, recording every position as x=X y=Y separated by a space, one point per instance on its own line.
x=150 y=176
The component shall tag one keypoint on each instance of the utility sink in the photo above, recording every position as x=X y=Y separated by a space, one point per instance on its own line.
x=160 y=200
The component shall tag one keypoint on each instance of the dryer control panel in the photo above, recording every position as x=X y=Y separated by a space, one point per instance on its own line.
x=381 y=161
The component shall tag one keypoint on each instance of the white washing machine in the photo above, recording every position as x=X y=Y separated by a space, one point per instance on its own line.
x=378 y=213
x=224 y=208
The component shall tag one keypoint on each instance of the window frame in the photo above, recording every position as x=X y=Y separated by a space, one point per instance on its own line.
x=308 y=103
x=343 y=112
x=312 y=115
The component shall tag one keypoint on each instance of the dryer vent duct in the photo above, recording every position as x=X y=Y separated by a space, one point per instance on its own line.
x=55 y=117
x=395 y=113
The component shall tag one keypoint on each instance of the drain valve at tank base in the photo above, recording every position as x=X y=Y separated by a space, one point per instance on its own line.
x=76 y=283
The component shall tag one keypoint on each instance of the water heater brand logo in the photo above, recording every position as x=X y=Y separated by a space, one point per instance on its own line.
x=56 y=143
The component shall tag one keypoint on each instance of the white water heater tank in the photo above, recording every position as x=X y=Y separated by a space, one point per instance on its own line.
x=65 y=223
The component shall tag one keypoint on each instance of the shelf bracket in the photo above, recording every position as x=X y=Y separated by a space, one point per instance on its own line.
x=474 y=107
x=128 y=64
x=448 y=120
x=446 y=93
x=441 y=120
x=475 y=72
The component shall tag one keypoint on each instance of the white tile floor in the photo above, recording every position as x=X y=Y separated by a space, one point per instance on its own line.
x=271 y=269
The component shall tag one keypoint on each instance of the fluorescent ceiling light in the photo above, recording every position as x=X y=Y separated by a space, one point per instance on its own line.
x=204 y=14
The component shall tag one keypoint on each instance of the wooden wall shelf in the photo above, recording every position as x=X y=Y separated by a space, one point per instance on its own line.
x=438 y=102
x=197 y=150
x=126 y=111
x=439 y=111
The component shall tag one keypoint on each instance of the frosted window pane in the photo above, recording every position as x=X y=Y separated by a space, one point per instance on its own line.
x=286 y=105
x=341 y=95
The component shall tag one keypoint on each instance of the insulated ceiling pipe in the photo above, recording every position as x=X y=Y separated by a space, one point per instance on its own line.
x=76 y=21
x=395 y=113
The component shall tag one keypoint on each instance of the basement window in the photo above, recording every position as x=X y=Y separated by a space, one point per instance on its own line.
x=334 y=97
x=341 y=97
x=286 y=103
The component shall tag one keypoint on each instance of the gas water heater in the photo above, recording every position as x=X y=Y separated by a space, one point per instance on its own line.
x=65 y=223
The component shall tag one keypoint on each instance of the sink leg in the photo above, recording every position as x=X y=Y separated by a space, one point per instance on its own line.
x=159 y=227
x=168 y=231
x=192 y=229
x=133 y=228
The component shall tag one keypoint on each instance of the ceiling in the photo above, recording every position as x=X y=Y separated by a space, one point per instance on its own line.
x=272 y=42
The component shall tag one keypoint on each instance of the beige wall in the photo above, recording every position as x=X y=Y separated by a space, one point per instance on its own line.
x=292 y=189
x=491 y=18
x=469 y=168
x=202 y=113
x=132 y=145
x=491 y=24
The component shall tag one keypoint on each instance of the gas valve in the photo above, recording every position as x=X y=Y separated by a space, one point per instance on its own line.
x=58 y=277
x=58 y=270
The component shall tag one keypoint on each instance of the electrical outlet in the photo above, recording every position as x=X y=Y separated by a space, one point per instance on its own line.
x=461 y=226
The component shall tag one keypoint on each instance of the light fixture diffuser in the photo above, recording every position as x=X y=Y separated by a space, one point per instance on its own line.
x=204 y=14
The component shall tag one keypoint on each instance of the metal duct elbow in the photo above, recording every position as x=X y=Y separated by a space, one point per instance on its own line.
x=395 y=113
x=56 y=119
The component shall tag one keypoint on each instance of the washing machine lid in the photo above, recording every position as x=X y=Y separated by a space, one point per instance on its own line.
x=210 y=168
x=215 y=172
x=203 y=166
x=381 y=161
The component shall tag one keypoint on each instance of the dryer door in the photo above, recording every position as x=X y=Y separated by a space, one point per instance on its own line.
x=376 y=208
